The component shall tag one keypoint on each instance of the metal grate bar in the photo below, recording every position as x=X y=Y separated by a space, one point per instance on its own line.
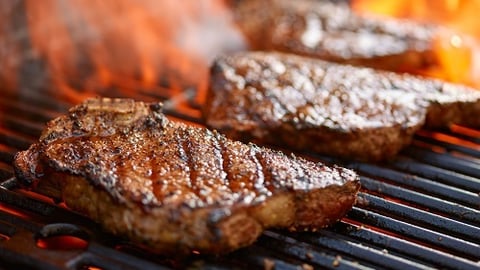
x=47 y=99
x=418 y=183
x=6 y=171
x=258 y=257
x=370 y=237
x=7 y=156
x=444 y=207
x=421 y=217
x=22 y=201
x=31 y=113
x=7 y=229
x=15 y=140
x=448 y=146
x=437 y=239
x=438 y=174
x=445 y=161
x=95 y=255
x=465 y=133
x=13 y=259
x=32 y=129
x=108 y=258
x=326 y=259
x=17 y=221
x=375 y=256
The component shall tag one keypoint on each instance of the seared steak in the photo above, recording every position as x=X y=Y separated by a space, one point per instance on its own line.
x=332 y=31
x=338 y=110
x=174 y=187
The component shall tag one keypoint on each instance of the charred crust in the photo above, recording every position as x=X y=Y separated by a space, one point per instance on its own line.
x=132 y=179
x=24 y=175
x=331 y=113
x=150 y=122
x=156 y=107
x=27 y=166
x=216 y=67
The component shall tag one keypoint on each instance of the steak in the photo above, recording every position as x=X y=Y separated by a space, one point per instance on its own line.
x=333 y=109
x=174 y=187
x=333 y=32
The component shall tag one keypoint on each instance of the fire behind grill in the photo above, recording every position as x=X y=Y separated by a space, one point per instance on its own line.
x=421 y=211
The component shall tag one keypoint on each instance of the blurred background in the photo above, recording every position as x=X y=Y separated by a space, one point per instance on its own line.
x=82 y=47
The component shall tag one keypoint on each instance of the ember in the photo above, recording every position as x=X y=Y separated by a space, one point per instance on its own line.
x=63 y=242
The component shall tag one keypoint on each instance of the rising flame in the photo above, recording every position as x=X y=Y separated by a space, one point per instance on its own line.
x=458 y=55
x=85 y=47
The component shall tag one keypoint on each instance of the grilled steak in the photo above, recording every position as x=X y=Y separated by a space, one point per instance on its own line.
x=174 y=187
x=332 y=31
x=338 y=110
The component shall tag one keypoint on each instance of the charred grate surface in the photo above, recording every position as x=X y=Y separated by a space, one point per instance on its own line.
x=421 y=211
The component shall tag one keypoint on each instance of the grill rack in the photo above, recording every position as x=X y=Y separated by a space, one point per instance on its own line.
x=420 y=211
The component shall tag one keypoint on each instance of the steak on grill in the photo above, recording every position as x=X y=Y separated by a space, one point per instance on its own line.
x=174 y=187
x=338 y=110
x=333 y=32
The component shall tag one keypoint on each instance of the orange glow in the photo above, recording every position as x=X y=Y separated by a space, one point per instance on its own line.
x=62 y=242
x=455 y=56
x=12 y=211
x=4 y=237
x=88 y=47
x=449 y=139
x=35 y=196
x=8 y=50
x=473 y=133
x=458 y=51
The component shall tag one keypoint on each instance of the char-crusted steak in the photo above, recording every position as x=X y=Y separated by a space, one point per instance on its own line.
x=337 y=110
x=332 y=31
x=174 y=187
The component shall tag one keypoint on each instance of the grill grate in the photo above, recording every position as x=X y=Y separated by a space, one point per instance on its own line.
x=420 y=211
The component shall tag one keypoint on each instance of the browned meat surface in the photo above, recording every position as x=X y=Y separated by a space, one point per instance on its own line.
x=332 y=31
x=177 y=188
x=337 y=110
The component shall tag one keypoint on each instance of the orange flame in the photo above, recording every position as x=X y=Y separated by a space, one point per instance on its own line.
x=458 y=54
x=88 y=47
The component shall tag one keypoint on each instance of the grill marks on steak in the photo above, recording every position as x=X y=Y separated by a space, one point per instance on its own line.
x=332 y=31
x=334 y=109
x=174 y=187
